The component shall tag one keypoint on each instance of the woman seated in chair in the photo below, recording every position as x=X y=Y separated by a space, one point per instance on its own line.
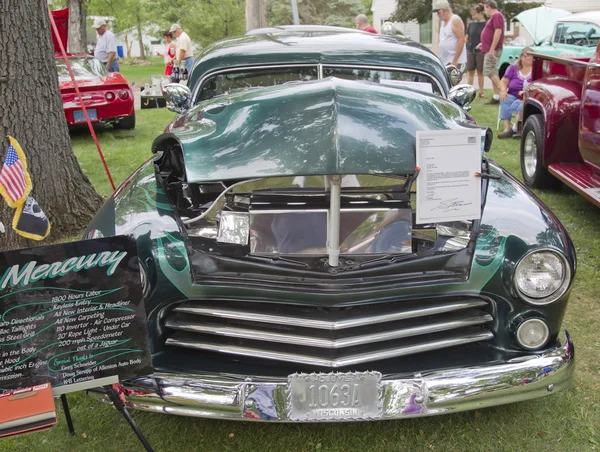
x=515 y=81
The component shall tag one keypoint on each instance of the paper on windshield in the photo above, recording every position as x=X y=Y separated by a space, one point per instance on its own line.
x=447 y=187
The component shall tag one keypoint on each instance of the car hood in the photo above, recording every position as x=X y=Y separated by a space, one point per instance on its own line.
x=539 y=22
x=61 y=18
x=330 y=126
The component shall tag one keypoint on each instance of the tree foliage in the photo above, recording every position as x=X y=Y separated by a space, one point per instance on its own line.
x=421 y=10
x=205 y=21
x=339 y=13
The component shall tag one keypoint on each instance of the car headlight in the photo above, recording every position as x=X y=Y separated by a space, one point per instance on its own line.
x=532 y=334
x=542 y=276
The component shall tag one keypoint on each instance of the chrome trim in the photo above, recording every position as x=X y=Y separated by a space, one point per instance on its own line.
x=256 y=398
x=347 y=360
x=562 y=289
x=319 y=67
x=530 y=153
x=339 y=324
x=308 y=341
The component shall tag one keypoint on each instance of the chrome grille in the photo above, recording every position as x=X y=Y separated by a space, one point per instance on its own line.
x=328 y=336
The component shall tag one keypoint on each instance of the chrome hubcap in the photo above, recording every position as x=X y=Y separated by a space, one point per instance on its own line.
x=530 y=154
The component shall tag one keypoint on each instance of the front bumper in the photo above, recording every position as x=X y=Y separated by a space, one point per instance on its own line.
x=238 y=397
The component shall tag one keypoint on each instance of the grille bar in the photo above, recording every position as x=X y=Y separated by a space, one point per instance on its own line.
x=396 y=332
x=395 y=351
x=315 y=318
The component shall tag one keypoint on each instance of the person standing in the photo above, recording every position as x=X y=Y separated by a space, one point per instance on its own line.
x=452 y=35
x=515 y=81
x=492 y=38
x=106 y=46
x=362 y=23
x=169 y=55
x=474 y=55
x=184 y=51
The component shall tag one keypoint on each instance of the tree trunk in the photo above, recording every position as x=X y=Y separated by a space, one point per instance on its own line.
x=77 y=41
x=31 y=111
x=256 y=14
x=141 y=41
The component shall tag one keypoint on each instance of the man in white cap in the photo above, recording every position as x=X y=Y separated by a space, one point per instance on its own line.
x=452 y=35
x=106 y=46
x=184 y=47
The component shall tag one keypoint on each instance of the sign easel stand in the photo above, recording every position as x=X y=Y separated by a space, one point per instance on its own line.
x=65 y=404
x=119 y=405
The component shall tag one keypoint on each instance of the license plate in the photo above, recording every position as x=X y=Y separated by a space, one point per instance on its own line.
x=78 y=115
x=334 y=396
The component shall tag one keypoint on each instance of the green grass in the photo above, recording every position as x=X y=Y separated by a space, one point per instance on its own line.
x=140 y=74
x=566 y=421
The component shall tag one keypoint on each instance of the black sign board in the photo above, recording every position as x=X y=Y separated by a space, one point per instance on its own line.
x=71 y=314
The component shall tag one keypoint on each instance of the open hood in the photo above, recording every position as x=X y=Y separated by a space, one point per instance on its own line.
x=539 y=22
x=330 y=126
x=61 y=17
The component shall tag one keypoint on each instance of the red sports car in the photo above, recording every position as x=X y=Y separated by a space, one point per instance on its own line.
x=107 y=96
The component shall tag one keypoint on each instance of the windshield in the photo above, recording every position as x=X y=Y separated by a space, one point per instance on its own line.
x=385 y=77
x=229 y=82
x=580 y=34
x=84 y=68
x=226 y=83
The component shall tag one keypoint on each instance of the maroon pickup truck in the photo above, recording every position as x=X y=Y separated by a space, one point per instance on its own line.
x=561 y=133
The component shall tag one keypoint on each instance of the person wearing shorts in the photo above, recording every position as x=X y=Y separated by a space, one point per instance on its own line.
x=474 y=55
x=492 y=38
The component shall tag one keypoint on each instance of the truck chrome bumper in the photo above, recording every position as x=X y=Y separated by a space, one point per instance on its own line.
x=239 y=397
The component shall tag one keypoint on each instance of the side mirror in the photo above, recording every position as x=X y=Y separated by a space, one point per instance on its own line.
x=454 y=73
x=462 y=95
x=178 y=97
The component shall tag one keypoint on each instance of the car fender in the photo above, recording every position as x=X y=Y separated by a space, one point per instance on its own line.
x=558 y=100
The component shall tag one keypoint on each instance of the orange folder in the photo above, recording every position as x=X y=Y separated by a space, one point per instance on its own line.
x=27 y=410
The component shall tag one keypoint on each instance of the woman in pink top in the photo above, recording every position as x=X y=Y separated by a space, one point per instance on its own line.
x=169 y=54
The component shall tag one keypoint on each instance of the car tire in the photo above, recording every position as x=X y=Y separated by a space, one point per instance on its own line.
x=533 y=170
x=128 y=122
x=502 y=70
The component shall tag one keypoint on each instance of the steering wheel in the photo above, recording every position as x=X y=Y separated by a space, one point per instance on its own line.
x=577 y=38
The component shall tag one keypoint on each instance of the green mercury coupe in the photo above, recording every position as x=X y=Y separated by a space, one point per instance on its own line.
x=285 y=276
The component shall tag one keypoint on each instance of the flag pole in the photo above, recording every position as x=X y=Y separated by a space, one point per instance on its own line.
x=85 y=113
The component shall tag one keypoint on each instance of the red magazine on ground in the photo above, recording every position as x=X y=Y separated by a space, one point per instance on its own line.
x=27 y=410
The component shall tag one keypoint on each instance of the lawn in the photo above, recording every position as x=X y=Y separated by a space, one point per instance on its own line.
x=566 y=421
x=140 y=73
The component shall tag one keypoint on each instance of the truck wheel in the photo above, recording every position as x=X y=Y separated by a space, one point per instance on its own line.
x=127 y=122
x=534 y=173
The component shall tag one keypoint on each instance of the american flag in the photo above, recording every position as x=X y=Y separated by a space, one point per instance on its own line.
x=12 y=176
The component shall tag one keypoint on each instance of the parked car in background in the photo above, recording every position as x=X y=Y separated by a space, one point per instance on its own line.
x=285 y=144
x=108 y=97
x=557 y=33
x=561 y=133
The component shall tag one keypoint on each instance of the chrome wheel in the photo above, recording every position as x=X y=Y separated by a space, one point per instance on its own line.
x=530 y=154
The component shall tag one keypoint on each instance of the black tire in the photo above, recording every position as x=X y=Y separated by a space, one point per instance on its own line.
x=533 y=170
x=128 y=122
x=502 y=70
